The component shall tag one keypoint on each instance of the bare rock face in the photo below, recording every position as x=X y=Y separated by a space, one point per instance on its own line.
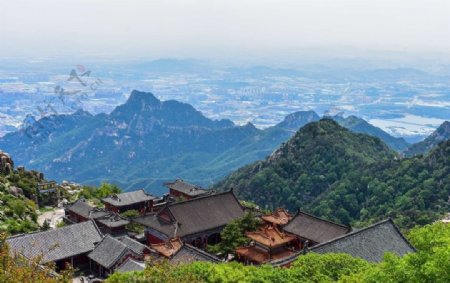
x=6 y=163
x=15 y=191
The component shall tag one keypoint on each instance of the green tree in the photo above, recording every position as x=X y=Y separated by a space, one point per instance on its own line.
x=106 y=189
x=45 y=226
x=233 y=235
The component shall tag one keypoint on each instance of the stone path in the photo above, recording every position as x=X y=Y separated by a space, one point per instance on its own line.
x=54 y=217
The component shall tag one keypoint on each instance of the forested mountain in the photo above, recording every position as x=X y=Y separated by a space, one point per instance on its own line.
x=347 y=177
x=441 y=134
x=145 y=142
x=140 y=142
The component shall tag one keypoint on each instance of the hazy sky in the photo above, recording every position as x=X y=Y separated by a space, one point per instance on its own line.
x=213 y=28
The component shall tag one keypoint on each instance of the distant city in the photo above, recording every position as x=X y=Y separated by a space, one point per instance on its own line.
x=404 y=102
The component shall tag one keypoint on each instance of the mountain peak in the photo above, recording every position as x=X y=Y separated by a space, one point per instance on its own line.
x=298 y=119
x=445 y=126
x=81 y=112
x=442 y=133
x=143 y=98
x=318 y=149
x=138 y=101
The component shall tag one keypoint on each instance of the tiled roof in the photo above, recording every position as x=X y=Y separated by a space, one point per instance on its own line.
x=112 y=220
x=195 y=215
x=168 y=248
x=369 y=243
x=286 y=261
x=270 y=236
x=134 y=245
x=128 y=198
x=259 y=255
x=131 y=265
x=188 y=254
x=154 y=222
x=108 y=251
x=186 y=188
x=313 y=228
x=82 y=208
x=278 y=217
x=57 y=244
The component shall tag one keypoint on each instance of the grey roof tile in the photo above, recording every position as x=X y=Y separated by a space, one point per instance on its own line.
x=57 y=244
x=369 y=243
x=111 y=249
x=153 y=221
x=188 y=254
x=112 y=220
x=186 y=188
x=128 y=198
x=82 y=208
x=313 y=228
x=108 y=251
x=134 y=245
x=131 y=265
x=196 y=215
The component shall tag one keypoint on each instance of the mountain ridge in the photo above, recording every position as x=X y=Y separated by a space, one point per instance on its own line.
x=442 y=133
x=359 y=125
x=346 y=177
x=145 y=142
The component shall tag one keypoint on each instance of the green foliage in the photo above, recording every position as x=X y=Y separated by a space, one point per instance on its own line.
x=157 y=272
x=347 y=177
x=104 y=190
x=431 y=263
x=130 y=213
x=327 y=268
x=17 y=213
x=132 y=226
x=309 y=268
x=233 y=235
x=26 y=180
x=60 y=224
x=107 y=189
x=17 y=210
x=45 y=226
